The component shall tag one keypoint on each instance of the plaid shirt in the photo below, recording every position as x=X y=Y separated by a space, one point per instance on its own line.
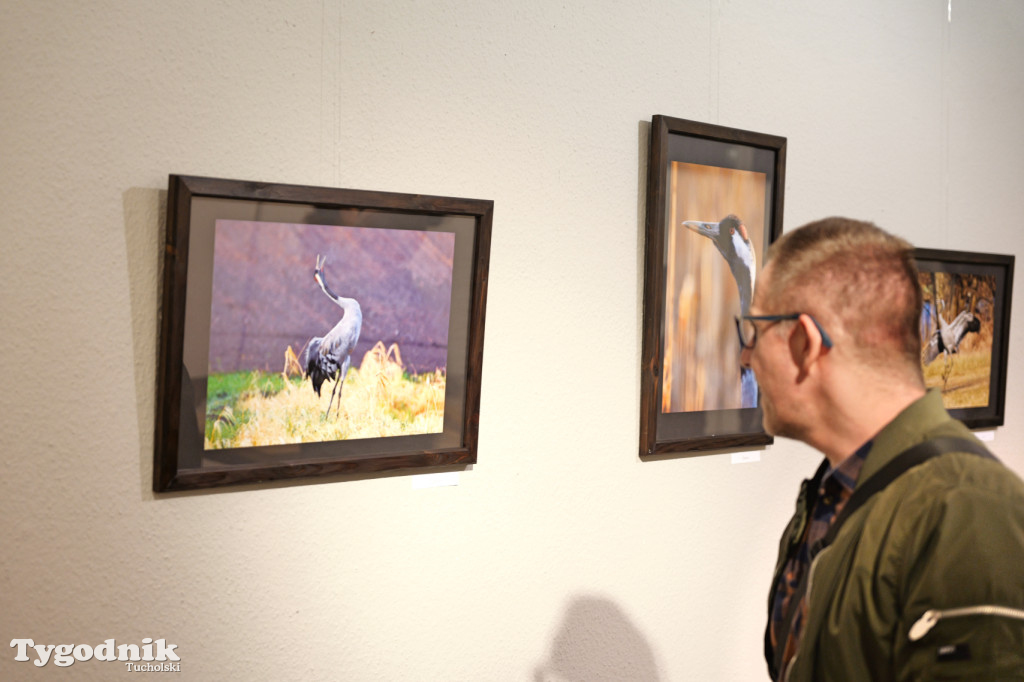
x=835 y=489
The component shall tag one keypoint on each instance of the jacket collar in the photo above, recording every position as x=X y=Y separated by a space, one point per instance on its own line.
x=909 y=428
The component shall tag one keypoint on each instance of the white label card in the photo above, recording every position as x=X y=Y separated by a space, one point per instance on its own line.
x=744 y=457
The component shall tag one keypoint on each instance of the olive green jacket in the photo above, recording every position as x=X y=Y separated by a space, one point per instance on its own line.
x=944 y=539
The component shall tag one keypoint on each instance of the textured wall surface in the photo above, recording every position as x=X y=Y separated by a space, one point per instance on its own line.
x=560 y=555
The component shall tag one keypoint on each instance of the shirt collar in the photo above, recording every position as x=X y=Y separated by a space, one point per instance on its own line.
x=848 y=471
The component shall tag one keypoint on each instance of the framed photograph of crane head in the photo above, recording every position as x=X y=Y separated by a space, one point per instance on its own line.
x=965 y=331
x=714 y=204
x=313 y=331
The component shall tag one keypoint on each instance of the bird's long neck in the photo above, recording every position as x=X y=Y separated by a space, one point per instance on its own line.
x=346 y=304
x=742 y=267
x=745 y=284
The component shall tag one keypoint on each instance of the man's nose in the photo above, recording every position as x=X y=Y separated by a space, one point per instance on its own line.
x=745 y=357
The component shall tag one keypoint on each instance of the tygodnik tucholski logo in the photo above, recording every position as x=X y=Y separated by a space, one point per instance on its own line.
x=150 y=656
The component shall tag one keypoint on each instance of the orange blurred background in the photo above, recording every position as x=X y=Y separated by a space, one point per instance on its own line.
x=701 y=370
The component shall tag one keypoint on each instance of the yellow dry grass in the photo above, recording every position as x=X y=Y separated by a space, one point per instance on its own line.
x=378 y=400
x=962 y=377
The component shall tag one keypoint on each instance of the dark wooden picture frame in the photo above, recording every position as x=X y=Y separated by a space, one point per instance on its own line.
x=243 y=317
x=965 y=331
x=693 y=396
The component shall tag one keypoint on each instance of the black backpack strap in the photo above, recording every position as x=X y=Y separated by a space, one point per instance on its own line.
x=908 y=459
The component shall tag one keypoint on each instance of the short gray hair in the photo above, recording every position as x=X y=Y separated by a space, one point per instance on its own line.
x=855 y=276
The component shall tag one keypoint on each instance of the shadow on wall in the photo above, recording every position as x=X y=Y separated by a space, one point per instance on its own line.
x=145 y=218
x=597 y=641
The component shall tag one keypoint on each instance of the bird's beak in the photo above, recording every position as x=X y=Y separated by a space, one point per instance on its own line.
x=709 y=230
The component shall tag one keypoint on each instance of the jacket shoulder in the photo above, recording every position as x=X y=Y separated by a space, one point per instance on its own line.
x=957 y=547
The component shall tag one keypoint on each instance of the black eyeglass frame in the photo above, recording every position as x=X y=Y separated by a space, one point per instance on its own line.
x=826 y=340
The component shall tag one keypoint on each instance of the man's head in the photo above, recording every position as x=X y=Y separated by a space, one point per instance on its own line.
x=860 y=284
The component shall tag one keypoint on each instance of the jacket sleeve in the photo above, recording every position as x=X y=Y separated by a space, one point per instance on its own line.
x=958 y=583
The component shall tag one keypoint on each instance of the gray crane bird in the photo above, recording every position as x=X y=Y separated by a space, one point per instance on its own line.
x=729 y=235
x=329 y=356
x=946 y=338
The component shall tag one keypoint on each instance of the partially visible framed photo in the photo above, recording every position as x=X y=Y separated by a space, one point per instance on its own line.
x=310 y=331
x=965 y=331
x=714 y=204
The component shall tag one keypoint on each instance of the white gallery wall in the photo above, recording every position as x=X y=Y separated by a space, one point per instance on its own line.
x=559 y=555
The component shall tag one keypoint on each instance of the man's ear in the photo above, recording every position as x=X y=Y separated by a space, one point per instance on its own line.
x=806 y=344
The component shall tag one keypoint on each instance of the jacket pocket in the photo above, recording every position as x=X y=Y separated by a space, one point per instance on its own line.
x=982 y=642
x=930 y=618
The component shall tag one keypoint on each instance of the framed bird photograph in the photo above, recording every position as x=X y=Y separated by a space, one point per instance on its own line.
x=313 y=331
x=965 y=331
x=714 y=204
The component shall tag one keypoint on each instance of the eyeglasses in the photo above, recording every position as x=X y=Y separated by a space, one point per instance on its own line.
x=747 y=330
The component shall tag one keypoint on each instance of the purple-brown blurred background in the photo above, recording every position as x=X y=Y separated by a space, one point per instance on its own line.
x=264 y=297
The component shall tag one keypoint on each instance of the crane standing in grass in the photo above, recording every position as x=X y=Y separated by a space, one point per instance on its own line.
x=328 y=357
x=730 y=237
x=947 y=337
